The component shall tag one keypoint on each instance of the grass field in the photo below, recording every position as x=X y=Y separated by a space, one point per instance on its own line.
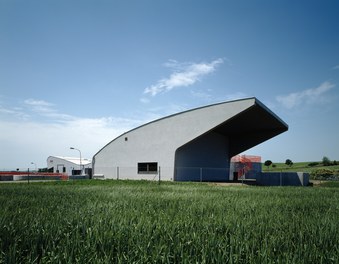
x=298 y=166
x=143 y=222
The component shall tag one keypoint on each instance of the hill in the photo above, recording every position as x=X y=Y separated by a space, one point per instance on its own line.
x=301 y=167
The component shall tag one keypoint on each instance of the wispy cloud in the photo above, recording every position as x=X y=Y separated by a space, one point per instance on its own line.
x=45 y=109
x=336 y=67
x=309 y=96
x=185 y=74
x=48 y=131
x=35 y=102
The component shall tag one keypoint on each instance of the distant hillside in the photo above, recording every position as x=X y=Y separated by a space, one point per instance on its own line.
x=298 y=166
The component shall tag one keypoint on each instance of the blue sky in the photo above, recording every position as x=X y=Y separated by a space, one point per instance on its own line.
x=79 y=73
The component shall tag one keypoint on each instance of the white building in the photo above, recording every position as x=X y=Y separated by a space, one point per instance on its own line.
x=68 y=165
x=192 y=145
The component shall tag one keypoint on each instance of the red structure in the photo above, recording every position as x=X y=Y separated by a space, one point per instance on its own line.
x=22 y=175
x=246 y=163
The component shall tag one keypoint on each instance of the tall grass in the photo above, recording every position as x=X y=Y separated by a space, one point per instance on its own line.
x=142 y=222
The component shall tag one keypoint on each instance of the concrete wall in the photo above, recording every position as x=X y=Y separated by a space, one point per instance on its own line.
x=283 y=179
x=203 y=159
x=158 y=141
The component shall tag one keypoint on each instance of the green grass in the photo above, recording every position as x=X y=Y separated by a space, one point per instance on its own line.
x=297 y=166
x=143 y=222
x=329 y=184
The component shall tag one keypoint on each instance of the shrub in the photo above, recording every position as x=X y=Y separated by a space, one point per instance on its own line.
x=268 y=163
x=289 y=162
x=322 y=174
x=312 y=164
x=326 y=161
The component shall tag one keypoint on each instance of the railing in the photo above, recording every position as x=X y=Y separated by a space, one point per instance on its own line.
x=198 y=174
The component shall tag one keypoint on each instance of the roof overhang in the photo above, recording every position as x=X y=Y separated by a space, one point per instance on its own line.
x=251 y=127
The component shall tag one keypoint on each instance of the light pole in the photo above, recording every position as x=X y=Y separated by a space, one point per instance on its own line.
x=36 y=170
x=80 y=158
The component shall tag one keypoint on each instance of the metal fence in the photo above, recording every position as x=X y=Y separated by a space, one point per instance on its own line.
x=198 y=174
x=202 y=174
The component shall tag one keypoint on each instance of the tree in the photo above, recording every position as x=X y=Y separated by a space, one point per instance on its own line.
x=326 y=161
x=289 y=162
x=268 y=163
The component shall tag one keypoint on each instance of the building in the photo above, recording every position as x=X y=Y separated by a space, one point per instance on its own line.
x=69 y=165
x=194 y=145
x=245 y=167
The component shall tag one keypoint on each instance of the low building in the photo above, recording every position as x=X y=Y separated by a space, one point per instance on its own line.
x=245 y=166
x=69 y=165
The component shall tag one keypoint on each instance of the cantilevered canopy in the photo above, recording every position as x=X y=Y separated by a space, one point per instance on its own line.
x=251 y=127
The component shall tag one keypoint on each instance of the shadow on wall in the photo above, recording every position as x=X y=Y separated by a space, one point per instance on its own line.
x=201 y=174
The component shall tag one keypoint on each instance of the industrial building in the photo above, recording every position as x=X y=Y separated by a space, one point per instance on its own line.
x=69 y=165
x=194 y=145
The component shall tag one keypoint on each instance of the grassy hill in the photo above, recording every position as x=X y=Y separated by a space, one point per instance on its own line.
x=298 y=166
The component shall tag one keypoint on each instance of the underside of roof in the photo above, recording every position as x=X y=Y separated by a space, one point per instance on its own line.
x=250 y=128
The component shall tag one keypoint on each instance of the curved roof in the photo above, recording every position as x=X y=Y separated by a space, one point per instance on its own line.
x=248 y=123
x=73 y=160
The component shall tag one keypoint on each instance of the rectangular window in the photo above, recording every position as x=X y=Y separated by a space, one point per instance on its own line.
x=76 y=172
x=148 y=167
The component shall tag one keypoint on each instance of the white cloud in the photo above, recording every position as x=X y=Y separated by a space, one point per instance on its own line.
x=34 y=102
x=336 y=67
x=34 y=138
x=185 y=74
x=45 y=109
x=16 y=112
x=35 y=141
x=309 y=96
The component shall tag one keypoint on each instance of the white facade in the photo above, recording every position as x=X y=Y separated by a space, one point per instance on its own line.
x=187 y=142
x=67 y=164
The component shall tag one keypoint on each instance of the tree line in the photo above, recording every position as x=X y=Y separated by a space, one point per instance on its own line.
x=325 y=162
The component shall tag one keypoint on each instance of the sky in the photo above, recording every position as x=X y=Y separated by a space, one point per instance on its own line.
x=78 y=73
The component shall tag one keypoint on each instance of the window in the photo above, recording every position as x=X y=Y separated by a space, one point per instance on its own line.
x=148 y=167
x=76 y=172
